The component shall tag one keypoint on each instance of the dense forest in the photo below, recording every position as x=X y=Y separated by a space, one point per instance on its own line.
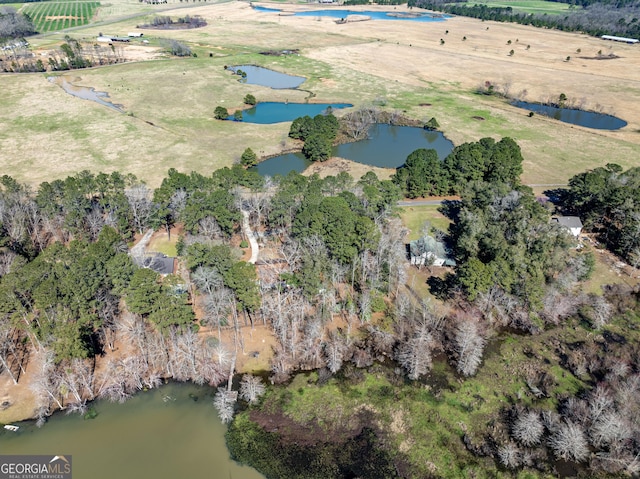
x=595 y=18
x=336 y=296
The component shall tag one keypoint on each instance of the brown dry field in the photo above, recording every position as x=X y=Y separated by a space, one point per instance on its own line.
x=46 y=134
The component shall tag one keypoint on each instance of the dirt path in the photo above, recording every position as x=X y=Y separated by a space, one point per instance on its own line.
x=255 y=250
x=137 y=251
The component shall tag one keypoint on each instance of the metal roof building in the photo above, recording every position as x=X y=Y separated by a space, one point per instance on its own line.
x=619 y=39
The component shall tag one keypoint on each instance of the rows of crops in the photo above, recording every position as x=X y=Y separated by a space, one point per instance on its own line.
x=52 y=16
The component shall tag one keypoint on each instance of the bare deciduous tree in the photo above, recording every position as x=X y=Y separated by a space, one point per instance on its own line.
x=334 y=349
x=602 y=311
x=251 y=388
x=569 y=442
x=139 y=198
x=527 y=429
x=509 y=456
x=415 y=353
x=356 y=124
x=469 y=345
x=609 y=428
x=209 y=227
x=224 y=402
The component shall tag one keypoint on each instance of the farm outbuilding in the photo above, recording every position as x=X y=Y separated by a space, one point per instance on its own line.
x=619 y=39
x=571 y=223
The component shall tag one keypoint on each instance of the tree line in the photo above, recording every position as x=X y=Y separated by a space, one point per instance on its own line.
x=596 y=18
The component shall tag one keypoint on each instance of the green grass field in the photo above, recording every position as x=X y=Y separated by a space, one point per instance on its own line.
x=528 y=6
x=161 y=244
x=414 y=217
x=54 y=16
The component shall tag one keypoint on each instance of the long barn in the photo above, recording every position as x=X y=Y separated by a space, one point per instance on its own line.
x=619 y=39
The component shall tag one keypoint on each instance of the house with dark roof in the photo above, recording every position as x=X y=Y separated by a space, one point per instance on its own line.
x=160 y=263
x=572 y=223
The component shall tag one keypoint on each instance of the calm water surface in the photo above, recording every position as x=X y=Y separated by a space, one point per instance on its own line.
x=278 y=112
x=266 y=77
x=589 y=119
x=387 y=147
x=391 y=15
x=416 y=16
x=144 y=438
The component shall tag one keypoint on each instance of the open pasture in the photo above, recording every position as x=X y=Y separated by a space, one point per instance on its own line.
x=397 y=65
x=54 y=16
x=528 y=6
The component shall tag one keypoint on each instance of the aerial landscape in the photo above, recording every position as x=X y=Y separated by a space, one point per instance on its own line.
x=321 y=239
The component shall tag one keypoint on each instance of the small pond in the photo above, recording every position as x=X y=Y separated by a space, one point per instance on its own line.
x=270 y=78
x=86 y=93
x=387 y=147
x=589 y=119
x=338 y=14
x=276 y=112
x=166 y=433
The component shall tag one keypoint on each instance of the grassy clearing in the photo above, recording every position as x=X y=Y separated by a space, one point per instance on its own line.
x=160 y=243
x=608 y=270
x=528 y=6
x=414 y=218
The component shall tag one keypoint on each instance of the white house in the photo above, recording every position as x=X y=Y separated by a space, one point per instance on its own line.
x=572 y=223
x=429 y=251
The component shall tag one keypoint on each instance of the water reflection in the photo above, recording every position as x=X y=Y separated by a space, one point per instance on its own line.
x=255 y=75
x=589 y=119
x=266 y=113
x=387 y=147
x=168 y=433
x=86 y=93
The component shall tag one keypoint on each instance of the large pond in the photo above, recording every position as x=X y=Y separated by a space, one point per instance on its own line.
x=589 y=119
x=387 y=147
x=277 y=112
x=391 y=15
x=160 y=434
x=265 y=77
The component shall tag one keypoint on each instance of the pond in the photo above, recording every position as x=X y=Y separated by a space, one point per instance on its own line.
x=387 y=147
x=86 y=93
x=338 y=14
x=278 y=112
x=411 y=16
x=589 y=119
x=265 y=77
x=160 y=434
